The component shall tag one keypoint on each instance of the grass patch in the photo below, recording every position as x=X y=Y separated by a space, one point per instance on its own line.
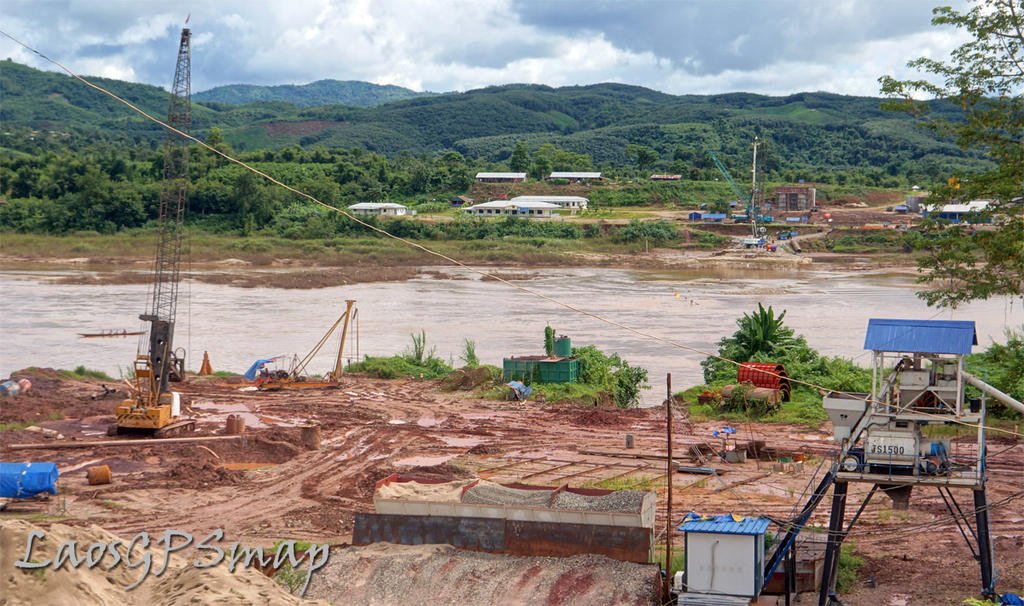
x=804 y=409
x=401 y=367
x=571 y=393
x=292 y=579
x=15 y=425
x=81 y=372
x=624 y=483
x=678 y=558
x=32 y=517
x=849 y=567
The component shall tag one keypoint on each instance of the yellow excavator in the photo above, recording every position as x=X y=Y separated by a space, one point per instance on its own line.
x=296 y=378
x=152 y=407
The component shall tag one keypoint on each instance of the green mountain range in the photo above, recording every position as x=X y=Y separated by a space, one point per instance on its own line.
x=804 y=132
x=322 y=92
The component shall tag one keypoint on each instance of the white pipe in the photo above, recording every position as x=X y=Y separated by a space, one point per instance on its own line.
x=992 y=391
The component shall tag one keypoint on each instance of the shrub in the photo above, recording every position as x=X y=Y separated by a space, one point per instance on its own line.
x=612 y=374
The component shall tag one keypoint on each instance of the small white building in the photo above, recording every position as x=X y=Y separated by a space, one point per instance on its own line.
x=378 y=209
x=573 y=204
x=576 y=176
x=528 y=209
x=500 y=177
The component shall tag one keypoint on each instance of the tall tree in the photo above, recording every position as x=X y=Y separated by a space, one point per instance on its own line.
x=520 y=159
x=985 y=78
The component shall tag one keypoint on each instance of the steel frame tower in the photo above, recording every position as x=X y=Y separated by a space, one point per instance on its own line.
x=918 y=379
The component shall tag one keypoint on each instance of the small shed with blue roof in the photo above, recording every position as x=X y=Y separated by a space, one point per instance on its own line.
x=920 y=336
x=724 y=554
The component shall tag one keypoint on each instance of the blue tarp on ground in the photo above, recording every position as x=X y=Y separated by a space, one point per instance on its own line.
x=23 y=480
x=519 y=390
x=257 y=365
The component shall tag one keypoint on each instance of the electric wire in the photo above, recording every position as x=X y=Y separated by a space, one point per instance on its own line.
x=453 y=261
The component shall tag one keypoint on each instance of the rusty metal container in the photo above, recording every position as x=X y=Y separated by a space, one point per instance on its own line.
x=765 y=375
x=235 y=425
x=98 y=474
x=311 y=437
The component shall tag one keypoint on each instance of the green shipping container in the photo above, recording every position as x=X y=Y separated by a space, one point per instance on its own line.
x=543 y=371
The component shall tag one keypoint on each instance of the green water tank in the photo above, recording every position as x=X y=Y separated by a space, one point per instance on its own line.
x=563 y=347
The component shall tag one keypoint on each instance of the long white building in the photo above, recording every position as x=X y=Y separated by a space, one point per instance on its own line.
x=389 y=209
x=523 y=208
x=572 y=204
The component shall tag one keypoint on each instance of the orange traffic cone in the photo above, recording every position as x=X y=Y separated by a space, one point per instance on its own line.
x=206 y=368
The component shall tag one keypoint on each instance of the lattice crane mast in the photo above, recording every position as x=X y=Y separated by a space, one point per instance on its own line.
x=153 y=407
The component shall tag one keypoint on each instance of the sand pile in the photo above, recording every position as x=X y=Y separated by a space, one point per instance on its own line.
x=387 y=574
x=180 y=584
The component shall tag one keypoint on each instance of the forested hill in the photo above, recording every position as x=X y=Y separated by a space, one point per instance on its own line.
x=321 y=92
x=808 y=132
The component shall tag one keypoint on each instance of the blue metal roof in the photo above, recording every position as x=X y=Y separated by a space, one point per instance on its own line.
x=921 y=336
x=726 y=525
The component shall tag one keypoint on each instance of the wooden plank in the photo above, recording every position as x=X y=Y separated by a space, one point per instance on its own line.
x=624 y=455
x=549 y=470
x=593 y=469
x=626 y=473
x=500 y=467
x=106 y=443
x=759 y=476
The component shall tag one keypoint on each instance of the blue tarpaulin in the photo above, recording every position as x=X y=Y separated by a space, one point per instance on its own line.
x=257 y=365
x=519 y=390
x=23 y=480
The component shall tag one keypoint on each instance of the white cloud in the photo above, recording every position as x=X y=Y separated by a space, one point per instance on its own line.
x=148 y=29
x=106 y=68
x=703 y=47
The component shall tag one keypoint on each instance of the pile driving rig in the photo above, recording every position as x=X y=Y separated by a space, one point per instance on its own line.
x=153 y=407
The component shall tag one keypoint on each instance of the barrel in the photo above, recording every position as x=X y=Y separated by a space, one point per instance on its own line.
x=563 y=347
x=629 y=440
x=98 y=474
x=311 y=437
x=235 y=425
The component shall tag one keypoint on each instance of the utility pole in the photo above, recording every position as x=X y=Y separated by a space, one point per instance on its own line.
x=669 y=472
x=754 y=207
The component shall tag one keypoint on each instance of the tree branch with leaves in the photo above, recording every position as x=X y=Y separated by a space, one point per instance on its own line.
x=984 y=78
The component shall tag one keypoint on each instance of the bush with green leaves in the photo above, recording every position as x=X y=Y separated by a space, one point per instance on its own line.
x=1002 y=365
x=613 y=374
x=654 y=232
x=763 y=337
x=419 y=363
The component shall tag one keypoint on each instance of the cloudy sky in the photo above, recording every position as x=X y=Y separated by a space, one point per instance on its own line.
x=676 y=46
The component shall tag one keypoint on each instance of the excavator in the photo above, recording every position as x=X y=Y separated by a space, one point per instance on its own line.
x=152 y=407
x=295 y=378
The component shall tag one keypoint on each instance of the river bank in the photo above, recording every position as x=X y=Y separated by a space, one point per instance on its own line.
x=280 y=263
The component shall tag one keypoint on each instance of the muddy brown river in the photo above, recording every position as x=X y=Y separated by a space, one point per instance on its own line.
x=40 y=320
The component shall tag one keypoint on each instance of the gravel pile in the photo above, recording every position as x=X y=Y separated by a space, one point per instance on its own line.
x=628 y=501
x=385 y=574
x=490 y=493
